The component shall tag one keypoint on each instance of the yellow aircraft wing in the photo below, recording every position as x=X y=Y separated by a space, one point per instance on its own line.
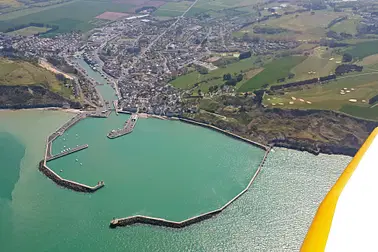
x=347 y=219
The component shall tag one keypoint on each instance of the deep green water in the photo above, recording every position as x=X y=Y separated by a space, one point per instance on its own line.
x=273 y=215
x=164 y=169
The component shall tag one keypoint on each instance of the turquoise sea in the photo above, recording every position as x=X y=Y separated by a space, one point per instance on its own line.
x=146 y=175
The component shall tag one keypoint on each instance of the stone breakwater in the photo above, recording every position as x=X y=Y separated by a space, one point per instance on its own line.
x=140 y=219
x=68 y=183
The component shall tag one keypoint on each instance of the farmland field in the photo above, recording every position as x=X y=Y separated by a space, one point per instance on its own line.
x=274 y=70
x=31 y=30
x=73 y=16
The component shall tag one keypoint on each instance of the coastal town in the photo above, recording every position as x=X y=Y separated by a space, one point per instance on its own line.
x=139 y=56
x=238 y=72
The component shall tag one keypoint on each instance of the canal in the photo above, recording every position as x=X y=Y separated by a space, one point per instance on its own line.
x=105 y=89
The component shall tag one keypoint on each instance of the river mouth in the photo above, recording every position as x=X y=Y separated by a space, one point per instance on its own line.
x=163 y=169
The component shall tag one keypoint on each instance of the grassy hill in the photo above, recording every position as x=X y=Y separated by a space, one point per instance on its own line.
x=17 y=72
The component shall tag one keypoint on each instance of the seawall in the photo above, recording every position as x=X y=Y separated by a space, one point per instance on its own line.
x=67 y=183
x=140 y=219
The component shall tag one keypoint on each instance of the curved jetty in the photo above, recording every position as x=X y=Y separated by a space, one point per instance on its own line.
x=127 y=128
x=175 y=224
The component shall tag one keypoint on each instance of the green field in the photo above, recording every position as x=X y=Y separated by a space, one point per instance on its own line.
x=29 y=31
x=76 y=15
x=24 y=73
x=188 y=81
x=279 y=68
x=363 y=49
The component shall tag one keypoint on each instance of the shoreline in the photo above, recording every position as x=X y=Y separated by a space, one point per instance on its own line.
x=74 y=111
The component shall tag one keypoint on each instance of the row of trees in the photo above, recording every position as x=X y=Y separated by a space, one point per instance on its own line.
x=304 y=82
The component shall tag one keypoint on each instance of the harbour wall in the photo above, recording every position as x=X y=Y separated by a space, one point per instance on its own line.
x=140 y=219
x=67 y=183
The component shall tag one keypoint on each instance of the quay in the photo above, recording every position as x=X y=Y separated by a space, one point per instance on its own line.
x=127 y=128
x=67 y=152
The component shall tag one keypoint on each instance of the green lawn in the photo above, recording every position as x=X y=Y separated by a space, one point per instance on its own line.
x=274 y=70
x=363 y=49
x=73 y=16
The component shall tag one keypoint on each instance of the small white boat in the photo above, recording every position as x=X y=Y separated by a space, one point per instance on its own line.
x=77 y=160
x=81 y=163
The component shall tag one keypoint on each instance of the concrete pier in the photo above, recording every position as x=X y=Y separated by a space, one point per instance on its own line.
x=175 y=224
x=127 y=128
x=65 y=153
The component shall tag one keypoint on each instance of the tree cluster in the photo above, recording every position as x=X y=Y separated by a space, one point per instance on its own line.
x=347 y=57
x=346 y=68
x=245 y=55
x=232 y=80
